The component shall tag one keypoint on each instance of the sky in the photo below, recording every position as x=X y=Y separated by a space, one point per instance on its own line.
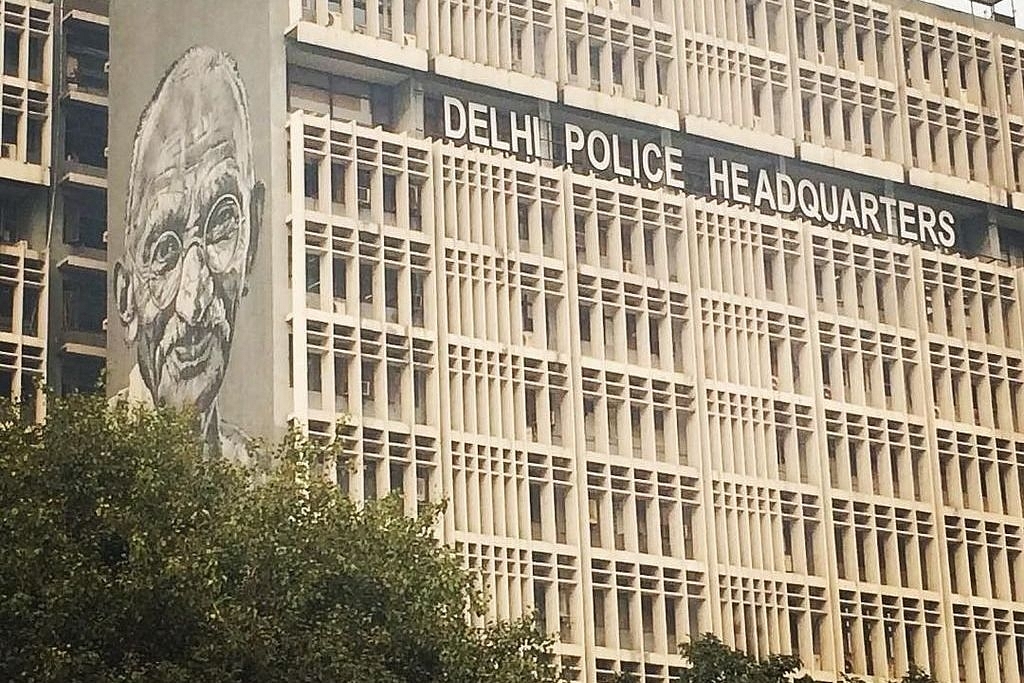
x=1003 y=6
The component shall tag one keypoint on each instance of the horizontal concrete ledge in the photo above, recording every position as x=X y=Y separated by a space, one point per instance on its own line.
x=84 y=179
x=743 y=137
x=620 y=107
x=84 y=97
x=25 y=172
x=854 y=163
x=83 y=262
x=957 y=186
x=84 y=350
x=86 y=16
x=369 y=47
x=496 y=79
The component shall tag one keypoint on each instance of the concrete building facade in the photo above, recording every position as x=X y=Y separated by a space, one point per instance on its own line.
x=41 y=306
x=658 y=403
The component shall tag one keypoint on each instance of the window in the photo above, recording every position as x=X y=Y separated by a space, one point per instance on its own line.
x=415 y=207
x=338 y=183
x=341 y=377
x=12 y=52
x=536 y=526
x=312 y=273
x=573 y=49
x=370 y=480
x=359 y=15
x=527 y=315
x=390 y=198
x=366 y=284
x=339 y=277
x=36 y=45
x=311 y=177
x=416 y=291
x=595 y=65
x=419 y=395
x=314 y=372
x=30 y=312
x=594 y=520
x=666 y=529
x=368 y=389
x=641 y=526
x=363 y=191
x=391 y=293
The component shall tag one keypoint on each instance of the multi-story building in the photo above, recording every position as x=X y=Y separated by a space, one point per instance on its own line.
x=704 y=316
x=53 y=71
x=78 y=233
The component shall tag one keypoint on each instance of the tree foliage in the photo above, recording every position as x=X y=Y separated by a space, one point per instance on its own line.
x=712 y=661
x=126 y=555
x=915 y=674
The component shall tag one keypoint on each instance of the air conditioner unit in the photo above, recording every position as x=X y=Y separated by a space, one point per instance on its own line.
x=821 y=57
x=106 y=236
x=8 y=150
x=367 y=387
x=662 y=100
x=103 y=325
x=409 y=40
x=757 y=122
x=827 y=392
x=106 y=67
x=627 y=266
x=775 y=383
x=417 y=301
x=363 y=195
x=616 y=90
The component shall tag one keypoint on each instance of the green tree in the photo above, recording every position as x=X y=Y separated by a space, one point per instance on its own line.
x=126 y=555
x=712 y=661
x=915 y=674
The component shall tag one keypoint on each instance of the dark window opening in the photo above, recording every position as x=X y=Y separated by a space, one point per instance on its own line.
x=36 y=45
x=12 y=52
x=86 y=141
x=390 y=198
x=311 y=180
x=30 y=312
x=81 y=374
x=6 y=307
x=85 y=219
x=339 y=278
x=416 y=286
x=84 y=299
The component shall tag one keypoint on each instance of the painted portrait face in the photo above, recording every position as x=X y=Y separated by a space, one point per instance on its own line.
x=193 y=216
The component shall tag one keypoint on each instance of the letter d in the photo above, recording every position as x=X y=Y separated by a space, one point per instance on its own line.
x=453 y=108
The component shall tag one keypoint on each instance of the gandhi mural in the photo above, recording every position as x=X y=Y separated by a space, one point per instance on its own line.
x=194 y=209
